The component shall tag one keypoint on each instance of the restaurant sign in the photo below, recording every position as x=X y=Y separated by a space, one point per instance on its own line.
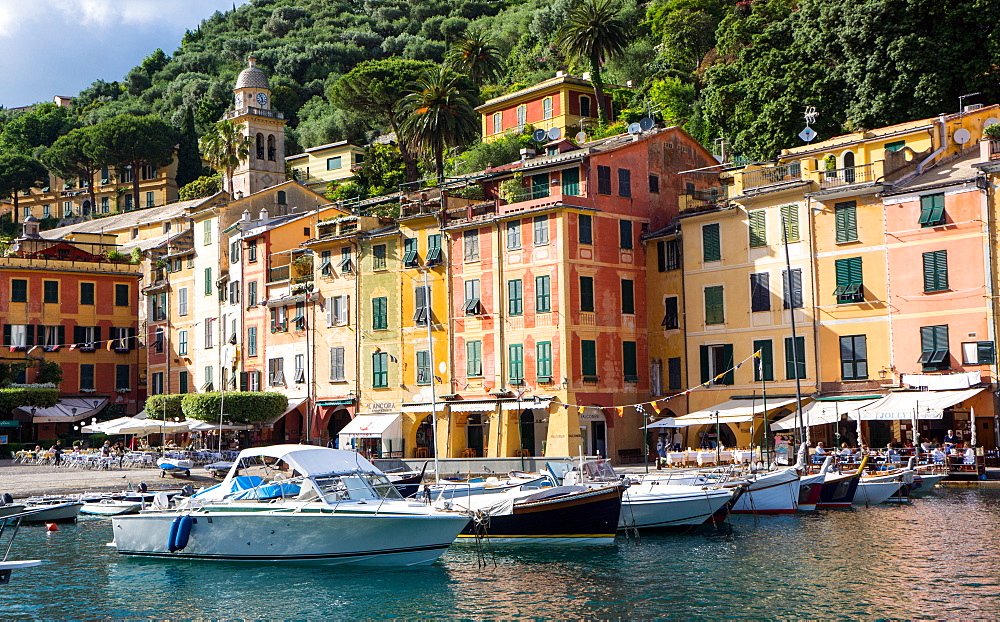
x=10 y=424
x=382 y=407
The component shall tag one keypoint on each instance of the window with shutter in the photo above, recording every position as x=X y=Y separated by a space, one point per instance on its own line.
x=711 y=243
x=673 y=255
x=760 y=292
x=543 y=361
x=625 y=241
x=758 y=228
x=433 y=250
x=540 y=186
x=588 y=360
x=252 y=341
x=628 y=296
x=514 y=235
x=587 y=294
x=410 y=252
x=630 y=366
x=515 y=361
x=471 y=245
x=790 y=223
x=571 y=182
x=624 y=182
x=337 y=364
x=931 y=210
x=543 y=294
x=379 y=257
x=854 y=357
x=541 y=230
x=380 y=313
x=603 y=179
x=670 y=316
x=934 y=348
x=846 y=219
x=674 y=374
x=936 y=271
x=585 y=226
x=422 y=311
x=423 y=367
x=515 y=297
x=792 y=289
x=474 y=359
x=795 y=360
x=714 y=311
x=850 y=282
x=763 y=365
x=472 y=304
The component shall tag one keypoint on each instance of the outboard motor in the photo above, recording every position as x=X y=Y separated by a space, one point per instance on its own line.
x=6 y=499
x=142 y=487
x=187 y=490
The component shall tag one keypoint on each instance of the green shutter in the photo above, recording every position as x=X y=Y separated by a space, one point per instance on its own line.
x=516 y=362
x=629 y=362
x=543 y=296
x=380 y=313
x=935 y=271
x=763 y=368
x=588 y=358
x=515 y=298
x=711 y=243
x=540 y=186
x=850 y=280
x=705 y=368
x=795 y=363
x=846 y=217
x=714 y=313
x=790 y=222
x=571 y=181
x=728 y=363
x=931 y=210
x=543 y=360
x=758 y=229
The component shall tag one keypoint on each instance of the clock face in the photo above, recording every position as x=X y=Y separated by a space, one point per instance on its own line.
x=262 y=99
x=239 y=100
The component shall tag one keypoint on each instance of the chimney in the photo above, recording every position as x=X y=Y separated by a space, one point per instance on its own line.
x=29 y=229
x=263 y=215
x=246 y=215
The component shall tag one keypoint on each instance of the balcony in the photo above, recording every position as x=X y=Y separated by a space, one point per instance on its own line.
x=260 y=112
x=531 y=197
x=408 y=210
x=703 y=200
x=475 y=211
x=278 y=273
x=863 y=174
x=772 y=175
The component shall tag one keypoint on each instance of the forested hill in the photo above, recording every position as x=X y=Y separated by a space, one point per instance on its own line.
x=740 y=70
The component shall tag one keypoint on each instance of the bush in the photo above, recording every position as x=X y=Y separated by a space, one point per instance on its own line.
x=164 y=406
x=39 y=398
x=992 y=131
x=239 y=407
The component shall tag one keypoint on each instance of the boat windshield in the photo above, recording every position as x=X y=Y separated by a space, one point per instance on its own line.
x=356 y=487
x=599 y=471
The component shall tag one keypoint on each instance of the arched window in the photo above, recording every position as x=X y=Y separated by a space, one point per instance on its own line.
x=260 y=146
x=270 y=147
x=849 y=167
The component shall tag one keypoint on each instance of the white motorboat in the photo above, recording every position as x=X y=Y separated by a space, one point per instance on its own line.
x=294 y=504
x=8 y=509
x=46 y=510
x=659 y=502
x=175 y=466
x=876 y=489
x=453 y=489
x=770 y=492
x=111 y=507
x=923 y=482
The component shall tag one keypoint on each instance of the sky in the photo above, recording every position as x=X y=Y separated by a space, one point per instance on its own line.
x=60 y=47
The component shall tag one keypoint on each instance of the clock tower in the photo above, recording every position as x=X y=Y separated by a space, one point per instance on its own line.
x=266 y=128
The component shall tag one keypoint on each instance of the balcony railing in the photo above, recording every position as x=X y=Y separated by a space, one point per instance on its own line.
x=704 y=200
x=863 y=174
x=260 y=112
x=772 y=175
x=279 y=273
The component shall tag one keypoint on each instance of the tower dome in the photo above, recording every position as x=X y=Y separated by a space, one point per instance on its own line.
x=251 y=77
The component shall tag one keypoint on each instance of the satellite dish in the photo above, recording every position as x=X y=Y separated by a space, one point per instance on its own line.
x=539 y=136
x=554 y=133
x=634 y=128
x=581 y=137
x=646 y=124
x=990 y=121
x=961 y=136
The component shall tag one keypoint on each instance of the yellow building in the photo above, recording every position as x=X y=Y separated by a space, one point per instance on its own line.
x=564 y=102
x=318 y=166
x=665 y=319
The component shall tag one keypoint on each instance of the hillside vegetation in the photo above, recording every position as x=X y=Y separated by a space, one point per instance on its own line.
x=743 y=71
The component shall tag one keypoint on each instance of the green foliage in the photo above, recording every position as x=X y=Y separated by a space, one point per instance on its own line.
x=49 y=371
x=9 y=371
x=674 y=99
x=475 y=55
x=18 y=173
x=135 y=256
x=164 y=406
x=382 y=171
x=200 y=188
x=344 y=190
x=439 y=114
x=992 y=131
x=136 y=141
x=238 y=407
x=224 y=147
x=39 y=126
x=482 y=155
x=39 y=398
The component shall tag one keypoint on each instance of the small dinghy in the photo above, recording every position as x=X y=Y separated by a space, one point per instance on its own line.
x=175 y=466
x=111 y=507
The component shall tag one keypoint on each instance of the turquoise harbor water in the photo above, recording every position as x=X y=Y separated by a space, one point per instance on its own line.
x=936 y=557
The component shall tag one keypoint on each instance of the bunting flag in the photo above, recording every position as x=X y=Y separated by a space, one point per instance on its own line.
x=13 y=348
x=621 y=410
x=72 y=346
x=111 y=344
x=393 y=359
x=33 y=348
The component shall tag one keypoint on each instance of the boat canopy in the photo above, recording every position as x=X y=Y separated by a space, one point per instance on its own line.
x=907 y=405
x=310 y=460
x=732 y=411
x=822 y=412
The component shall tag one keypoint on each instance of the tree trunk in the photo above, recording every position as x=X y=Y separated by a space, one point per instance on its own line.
x=409 y=162
x=229 y=181
x=90 y=188
x=595 y=77
x=13 y=213
x=135 y=185
x=439 y=164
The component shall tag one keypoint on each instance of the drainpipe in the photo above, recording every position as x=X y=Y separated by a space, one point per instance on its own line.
x=939 y=150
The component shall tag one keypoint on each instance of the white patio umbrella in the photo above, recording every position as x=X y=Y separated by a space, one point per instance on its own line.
x=972 y=426
x=102 y=426
x=143 y=427
x=205 y=426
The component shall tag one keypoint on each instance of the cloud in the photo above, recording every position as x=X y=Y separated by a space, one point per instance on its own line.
x=18 y=16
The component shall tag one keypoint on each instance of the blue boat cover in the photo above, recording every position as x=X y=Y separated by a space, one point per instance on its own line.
x=242 y=482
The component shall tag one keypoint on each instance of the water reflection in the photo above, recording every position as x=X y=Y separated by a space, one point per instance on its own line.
x=931 y=558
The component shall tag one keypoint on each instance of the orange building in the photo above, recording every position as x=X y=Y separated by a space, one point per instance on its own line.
x=66 y=302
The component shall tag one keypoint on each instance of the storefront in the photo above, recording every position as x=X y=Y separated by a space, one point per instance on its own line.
x=374 y=436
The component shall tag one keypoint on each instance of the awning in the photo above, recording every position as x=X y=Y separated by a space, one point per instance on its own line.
x=139 y=427
x=293 y=403
x=205 y=426
x=288 y=300
x=67 y=410
x=907 y=405
x=527 y=404
x=822 y=412
x=423 y=408
x=733 y=411
x=373 y=426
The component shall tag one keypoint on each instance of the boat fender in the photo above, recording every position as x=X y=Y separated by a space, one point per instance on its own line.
x=180 y=532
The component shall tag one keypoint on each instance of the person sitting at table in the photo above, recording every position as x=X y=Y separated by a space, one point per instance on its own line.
x=925 y=446
x=106 y=449
x=938 y=456
x=820 y=449
x=845 y=450
x=678 y=440
x=970 y=456
x=950 y=440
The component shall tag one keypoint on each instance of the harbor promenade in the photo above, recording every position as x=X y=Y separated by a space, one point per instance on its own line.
x=26 y=480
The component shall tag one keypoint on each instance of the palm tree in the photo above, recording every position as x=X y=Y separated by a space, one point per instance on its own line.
x=475 y=56
x=438 y=113
x=593 y=32
x=225 y=147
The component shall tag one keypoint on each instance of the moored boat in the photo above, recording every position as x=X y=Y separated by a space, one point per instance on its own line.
x=175 y=466
x=876 y=489
x=770 y=492
x=294 y=504
x=556 y=515
x=111 y=507
x=57 y=512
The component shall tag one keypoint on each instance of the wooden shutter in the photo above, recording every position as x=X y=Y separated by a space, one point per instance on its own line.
x=846 y=221
x=710 y=240
x=706 y=373
x=758 y=230
x=790 y=222
x=764 y=367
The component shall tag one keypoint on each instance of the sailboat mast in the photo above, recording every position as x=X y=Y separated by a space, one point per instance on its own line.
x=802 y=432
x=430 y=361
